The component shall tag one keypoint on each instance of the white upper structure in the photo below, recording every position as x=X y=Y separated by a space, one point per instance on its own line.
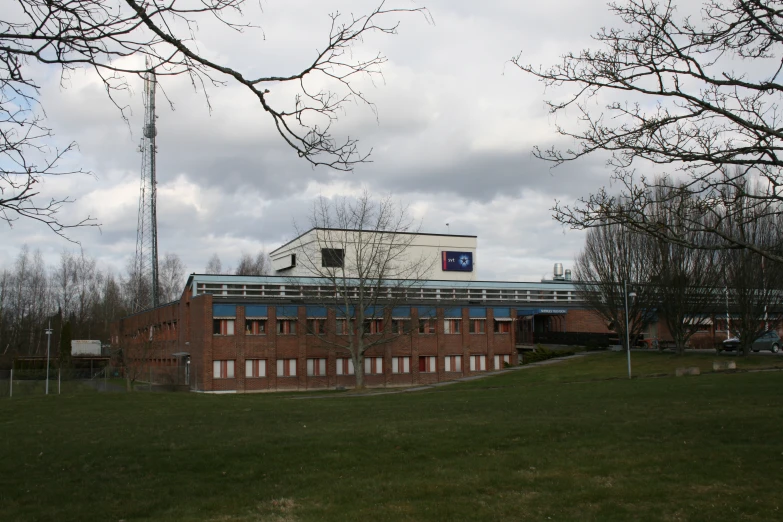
x=404 y=255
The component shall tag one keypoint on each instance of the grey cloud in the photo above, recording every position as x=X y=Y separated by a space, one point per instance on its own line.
x=447 y=113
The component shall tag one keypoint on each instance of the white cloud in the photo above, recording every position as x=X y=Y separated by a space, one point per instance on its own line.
x=456 y=123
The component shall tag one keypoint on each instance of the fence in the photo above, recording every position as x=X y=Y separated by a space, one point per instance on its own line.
x=35 y=382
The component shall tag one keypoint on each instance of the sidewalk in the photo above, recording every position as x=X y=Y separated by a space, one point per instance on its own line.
x=389 y=391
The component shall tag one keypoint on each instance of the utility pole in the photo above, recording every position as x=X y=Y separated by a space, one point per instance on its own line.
x=48 y=344
x=728 y=317
x=627 y=328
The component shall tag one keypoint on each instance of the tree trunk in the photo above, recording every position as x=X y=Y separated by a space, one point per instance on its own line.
x=679 y=345
x=358 y=369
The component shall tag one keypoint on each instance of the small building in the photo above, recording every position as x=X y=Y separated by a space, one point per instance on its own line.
x=85 y=347
x=445 y=257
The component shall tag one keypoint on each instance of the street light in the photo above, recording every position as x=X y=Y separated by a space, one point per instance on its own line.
x=627 y=328
x=48 y=343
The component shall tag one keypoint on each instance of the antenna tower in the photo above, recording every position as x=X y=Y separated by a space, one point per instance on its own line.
x=146 y=264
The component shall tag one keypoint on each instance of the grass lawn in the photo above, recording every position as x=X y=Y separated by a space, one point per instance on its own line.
x=562 y=442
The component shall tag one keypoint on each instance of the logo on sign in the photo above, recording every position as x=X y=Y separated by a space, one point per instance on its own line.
x=457 y=261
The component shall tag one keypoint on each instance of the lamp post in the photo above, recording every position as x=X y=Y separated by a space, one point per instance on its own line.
x=48 y=343
x=626 y=295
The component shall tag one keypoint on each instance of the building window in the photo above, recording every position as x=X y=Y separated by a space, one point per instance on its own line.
x=452 y=326
x=286 y=367
x=255 y=368
x=478 y=363
x=501 y=361
x=341 y=326
x=255 y=326
x=401 y=365
x=478 y=326
x=427 y=326
x=223 y=369
x=453 y=363
x=427 y=364
x=502 y=327
x=316 y=326
x=401 y=326
x=286 y=326
x=373 y=326
x=344 y=366
x=316 y=367
x=223 y=326
x=332 y=257
x=373 y=365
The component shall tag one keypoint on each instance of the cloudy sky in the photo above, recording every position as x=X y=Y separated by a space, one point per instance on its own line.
x=456 y=123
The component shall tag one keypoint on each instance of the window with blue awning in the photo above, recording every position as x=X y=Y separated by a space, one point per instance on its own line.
x=287 y=311
x=501 y=313
x=227 y=311
x=427 y=312
x=478 y=312
x=316 y=311
x=453 y=313
x=401 y=312
x=256 y=311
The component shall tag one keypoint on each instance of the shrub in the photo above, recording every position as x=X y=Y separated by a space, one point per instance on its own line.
x=701 y=343
x=542 y=354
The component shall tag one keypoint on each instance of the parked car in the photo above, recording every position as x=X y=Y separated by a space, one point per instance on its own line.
x=769 y=340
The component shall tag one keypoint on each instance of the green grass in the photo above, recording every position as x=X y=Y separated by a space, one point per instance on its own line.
x=613 y=365
x=36 y=388
x=556 y=441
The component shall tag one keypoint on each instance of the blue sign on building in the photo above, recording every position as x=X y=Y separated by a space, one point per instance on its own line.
x=457 y=261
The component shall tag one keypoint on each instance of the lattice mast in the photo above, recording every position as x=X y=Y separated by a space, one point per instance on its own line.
x=146 y=265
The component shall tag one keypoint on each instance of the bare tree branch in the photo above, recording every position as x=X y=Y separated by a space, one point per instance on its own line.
x=676 y=100
x=115 y=38
x=362 y=250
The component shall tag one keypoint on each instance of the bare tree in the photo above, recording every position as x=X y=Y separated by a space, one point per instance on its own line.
x=88 y=280
x=248 y=265
x=134 y=356
x=134 y=289
x=361 y=248
x=214 y=266
x=171 y=278
x=615 y=260
x=63 y=282
x=75 y=290
x=102 y=34
x=5 y=311
x=109 y=308
x=686 y=282
x=29 y=303
x=700 y=97
x=753 y=283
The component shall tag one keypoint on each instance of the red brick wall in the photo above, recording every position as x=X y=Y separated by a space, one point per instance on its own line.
x=194 y=335
x=585 y=321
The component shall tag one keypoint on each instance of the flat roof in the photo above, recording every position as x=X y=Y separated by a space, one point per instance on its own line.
x=428 y=283
x=370 y=231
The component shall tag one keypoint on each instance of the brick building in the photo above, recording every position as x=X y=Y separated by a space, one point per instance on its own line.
x=265 y=333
